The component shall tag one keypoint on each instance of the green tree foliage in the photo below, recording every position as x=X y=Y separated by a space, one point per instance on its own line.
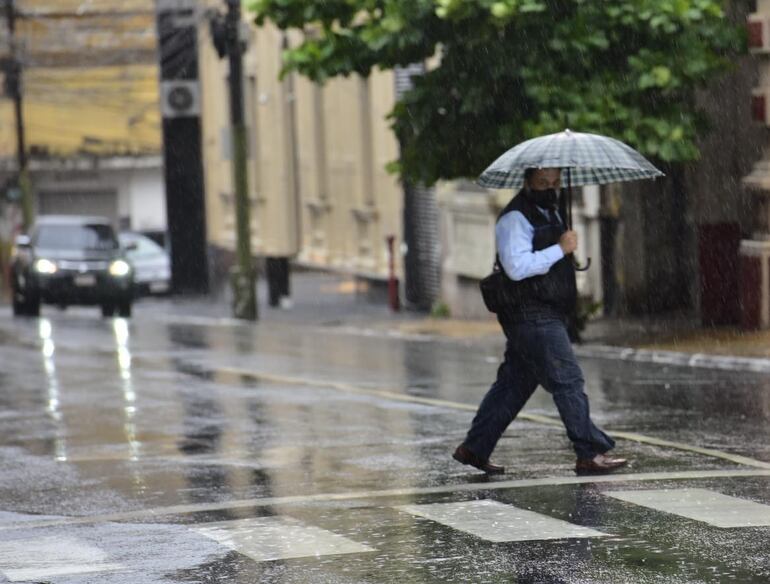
x=506 y=70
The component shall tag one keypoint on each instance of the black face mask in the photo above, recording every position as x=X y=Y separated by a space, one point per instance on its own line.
x=545 y=199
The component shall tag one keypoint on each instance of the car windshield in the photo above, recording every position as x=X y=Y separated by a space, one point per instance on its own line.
x=76 y=237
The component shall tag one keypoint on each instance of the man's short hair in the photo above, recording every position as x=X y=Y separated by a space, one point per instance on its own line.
x=528 y=172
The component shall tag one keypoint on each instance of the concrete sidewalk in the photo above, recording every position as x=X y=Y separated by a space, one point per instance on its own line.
x=654 y=335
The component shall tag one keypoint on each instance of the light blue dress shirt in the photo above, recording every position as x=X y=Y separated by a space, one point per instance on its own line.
x=514 y=246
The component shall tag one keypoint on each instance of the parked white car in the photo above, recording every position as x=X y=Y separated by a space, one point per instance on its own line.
x=151 y=263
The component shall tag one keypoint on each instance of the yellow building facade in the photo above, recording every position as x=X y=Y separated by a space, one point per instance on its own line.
x=100 y=110
x=317 y=180
x=90 y=78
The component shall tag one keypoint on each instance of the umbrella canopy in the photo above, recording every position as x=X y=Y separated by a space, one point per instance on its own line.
x=591 y=159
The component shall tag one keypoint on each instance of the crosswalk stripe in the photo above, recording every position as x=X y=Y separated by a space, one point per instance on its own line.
x=278 y=538
x=701 y=505
x=44 y=557
x=497 y=522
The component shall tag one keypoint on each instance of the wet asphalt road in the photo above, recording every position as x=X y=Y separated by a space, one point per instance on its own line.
x=173 y=449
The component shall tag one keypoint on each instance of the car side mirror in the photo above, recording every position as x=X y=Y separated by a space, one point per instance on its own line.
x=23 y=241
x=133 y=246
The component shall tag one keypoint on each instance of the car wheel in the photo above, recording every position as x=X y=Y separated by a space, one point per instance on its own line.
x=124 y=310
x=19 y=308
x=20 y=301
x=107 y=310
x=33 y=307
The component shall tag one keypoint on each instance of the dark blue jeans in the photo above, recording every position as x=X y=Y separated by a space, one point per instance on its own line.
x=538 y=352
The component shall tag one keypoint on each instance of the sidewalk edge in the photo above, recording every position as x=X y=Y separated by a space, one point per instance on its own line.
x=590 y=350
x=732 y=363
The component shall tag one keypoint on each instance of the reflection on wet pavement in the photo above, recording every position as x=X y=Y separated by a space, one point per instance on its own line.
x=132 y=443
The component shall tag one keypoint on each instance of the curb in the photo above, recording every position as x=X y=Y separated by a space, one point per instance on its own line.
x=753 y=364
x=599 y=351
x=590 y=350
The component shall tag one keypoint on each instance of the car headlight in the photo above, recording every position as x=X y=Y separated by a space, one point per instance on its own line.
x=43 y=266
x=119 y=268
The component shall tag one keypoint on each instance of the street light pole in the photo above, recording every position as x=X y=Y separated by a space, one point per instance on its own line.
x=243 y=276
x=14 y=85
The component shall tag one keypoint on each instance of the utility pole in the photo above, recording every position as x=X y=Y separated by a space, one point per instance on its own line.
x=225 y=32
x=13 y=87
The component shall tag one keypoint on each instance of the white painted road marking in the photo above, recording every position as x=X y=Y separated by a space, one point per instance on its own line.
x=497 y=522
x=155 y=512
x=278 y=538
x=701 y=505
x=44 y=557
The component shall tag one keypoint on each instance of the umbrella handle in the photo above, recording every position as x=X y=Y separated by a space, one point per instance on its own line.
x=581 y=268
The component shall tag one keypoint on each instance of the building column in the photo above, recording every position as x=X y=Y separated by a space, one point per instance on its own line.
x=318 y=248
x=755 y=284
x=365 y=212
x=422 y=255
x=755 y=252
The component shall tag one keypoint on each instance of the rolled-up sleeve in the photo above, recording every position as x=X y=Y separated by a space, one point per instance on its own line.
x=514 y=246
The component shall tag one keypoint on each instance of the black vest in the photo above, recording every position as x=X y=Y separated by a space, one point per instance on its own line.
x=553 y=294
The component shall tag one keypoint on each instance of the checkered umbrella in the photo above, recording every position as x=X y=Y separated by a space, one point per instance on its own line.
x=590 y=158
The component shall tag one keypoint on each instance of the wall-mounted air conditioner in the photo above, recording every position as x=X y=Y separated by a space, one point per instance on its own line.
x=180 y=99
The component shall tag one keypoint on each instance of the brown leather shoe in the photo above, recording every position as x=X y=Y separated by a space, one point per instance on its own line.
x=599 y=464
x=465 y=456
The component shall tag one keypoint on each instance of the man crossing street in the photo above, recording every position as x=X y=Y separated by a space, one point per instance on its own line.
x=534 y=251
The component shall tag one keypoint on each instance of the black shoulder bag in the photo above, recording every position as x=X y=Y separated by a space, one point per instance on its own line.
x=493 y=288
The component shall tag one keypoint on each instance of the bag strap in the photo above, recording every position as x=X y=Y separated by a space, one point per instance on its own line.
x=497 y=266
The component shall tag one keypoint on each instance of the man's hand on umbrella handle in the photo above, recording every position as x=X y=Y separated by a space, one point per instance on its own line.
x=568 y=242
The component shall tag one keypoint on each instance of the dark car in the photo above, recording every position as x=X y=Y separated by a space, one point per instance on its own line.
x=71 y=260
